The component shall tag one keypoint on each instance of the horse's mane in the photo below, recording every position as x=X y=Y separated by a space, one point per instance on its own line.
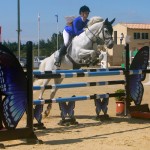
x=94 y=20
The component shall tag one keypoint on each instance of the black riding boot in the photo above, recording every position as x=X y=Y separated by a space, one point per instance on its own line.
x=62 y=52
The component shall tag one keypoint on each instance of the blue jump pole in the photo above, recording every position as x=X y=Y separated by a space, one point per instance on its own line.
x=90 y=74
x=76 y=98
x=74 y=75
x=37 y=72
x=80 y=84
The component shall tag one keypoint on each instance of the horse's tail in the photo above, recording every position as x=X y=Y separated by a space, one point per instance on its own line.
x=41 y=68
x=42 y=65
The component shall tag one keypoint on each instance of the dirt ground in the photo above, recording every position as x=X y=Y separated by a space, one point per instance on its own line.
x=118 y=133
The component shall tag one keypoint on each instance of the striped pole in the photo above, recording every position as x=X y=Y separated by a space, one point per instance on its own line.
x=80 y=84
x=37 y=72
x=90 y=74
x=73 y=75
x=76 y=98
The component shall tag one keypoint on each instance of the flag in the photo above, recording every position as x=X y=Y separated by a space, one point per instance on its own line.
x=38 y=17
x=56 y=17
x=0 y=34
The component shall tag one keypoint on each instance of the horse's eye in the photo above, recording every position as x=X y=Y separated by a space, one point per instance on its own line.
x=106 y=31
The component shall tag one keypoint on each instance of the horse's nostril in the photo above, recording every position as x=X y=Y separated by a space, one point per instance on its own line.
x=110 y=45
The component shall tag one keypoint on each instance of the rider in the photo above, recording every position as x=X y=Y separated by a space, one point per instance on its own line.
x=74 y=30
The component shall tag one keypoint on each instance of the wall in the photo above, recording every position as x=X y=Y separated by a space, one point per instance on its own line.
x=115 y=55
x=138 y=43
x=120 y=29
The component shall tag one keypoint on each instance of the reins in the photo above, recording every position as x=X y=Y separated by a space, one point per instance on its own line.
x=97 y=38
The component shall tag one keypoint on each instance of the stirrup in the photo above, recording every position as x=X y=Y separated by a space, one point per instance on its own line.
x=57 y=64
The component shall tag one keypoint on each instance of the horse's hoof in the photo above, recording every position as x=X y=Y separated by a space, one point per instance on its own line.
x=45 y=116
x=46 y=113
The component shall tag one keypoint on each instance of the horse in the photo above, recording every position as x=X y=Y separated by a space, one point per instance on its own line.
x=79 y=53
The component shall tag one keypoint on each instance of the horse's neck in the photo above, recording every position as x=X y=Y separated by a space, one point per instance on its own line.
x=94 y=30
x=79 y=42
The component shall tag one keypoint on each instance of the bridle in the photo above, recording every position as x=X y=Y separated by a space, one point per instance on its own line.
x=98 y=39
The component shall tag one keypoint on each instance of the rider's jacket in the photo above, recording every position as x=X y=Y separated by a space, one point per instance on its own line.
x=77 y=26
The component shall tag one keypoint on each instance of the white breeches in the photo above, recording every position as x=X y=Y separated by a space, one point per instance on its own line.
x=66 y=37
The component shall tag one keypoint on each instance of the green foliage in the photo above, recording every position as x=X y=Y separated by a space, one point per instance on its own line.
x=120 y=98
x=12 y=46
x=47 y=47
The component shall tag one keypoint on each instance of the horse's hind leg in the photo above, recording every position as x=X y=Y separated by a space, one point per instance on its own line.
x=53 y=92
x=39 y=108
x=45 y=82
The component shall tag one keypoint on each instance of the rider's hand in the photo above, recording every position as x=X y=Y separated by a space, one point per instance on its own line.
x=84 y=29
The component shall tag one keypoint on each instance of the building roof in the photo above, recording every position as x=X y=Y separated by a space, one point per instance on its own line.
x=136 y=25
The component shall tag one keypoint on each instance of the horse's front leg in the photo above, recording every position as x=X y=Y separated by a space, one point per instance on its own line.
x=84 y=53
x=49 y=106
x=89 y=56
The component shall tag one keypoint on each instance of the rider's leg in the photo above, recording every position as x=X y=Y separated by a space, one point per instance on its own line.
x=66 y=37
x=63 y=49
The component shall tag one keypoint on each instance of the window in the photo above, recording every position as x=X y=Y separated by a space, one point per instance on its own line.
x=141 y=35
x=136 y=35
x=144 y=35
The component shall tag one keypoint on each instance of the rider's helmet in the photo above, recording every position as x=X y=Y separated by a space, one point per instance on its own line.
x=84 y=9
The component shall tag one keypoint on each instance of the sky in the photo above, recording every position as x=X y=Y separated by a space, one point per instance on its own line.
x=128 y=11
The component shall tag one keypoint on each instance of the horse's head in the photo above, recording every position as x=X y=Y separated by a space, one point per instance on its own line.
x=105 y=33
x=101 y=31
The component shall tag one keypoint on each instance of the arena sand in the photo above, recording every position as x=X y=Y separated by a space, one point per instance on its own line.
x=118 y=133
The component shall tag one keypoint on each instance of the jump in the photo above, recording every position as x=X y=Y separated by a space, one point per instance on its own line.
x=80 y=53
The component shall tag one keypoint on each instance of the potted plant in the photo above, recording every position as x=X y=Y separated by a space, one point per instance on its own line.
x=120 y=102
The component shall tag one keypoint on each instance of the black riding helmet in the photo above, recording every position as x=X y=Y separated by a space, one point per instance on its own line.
x=84 y=9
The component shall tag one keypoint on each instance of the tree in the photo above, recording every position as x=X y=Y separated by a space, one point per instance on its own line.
x=47 y=47
x=12 y=46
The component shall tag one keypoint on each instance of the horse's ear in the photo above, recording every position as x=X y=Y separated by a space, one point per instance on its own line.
x=112 y=21
x=106 y=20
